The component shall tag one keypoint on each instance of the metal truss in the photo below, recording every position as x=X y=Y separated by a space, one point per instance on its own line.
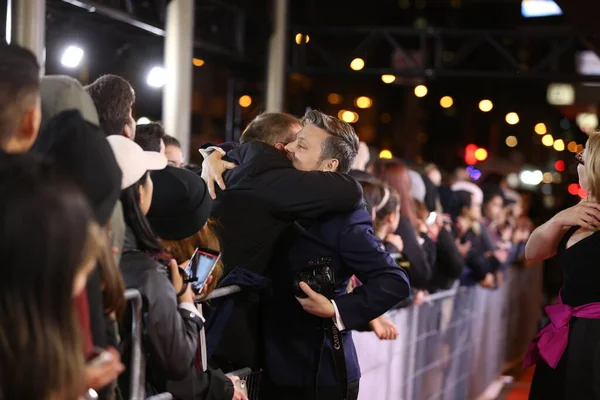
x=542 y=54
x=222 y=16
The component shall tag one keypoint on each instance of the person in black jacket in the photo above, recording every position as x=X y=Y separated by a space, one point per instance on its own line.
x=264 y=196
x=171 y=320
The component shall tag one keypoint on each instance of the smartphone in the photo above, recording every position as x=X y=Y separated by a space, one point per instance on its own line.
x=431 y=218
x=201 y=266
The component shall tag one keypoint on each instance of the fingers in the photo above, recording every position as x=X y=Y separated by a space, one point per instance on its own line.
x=228 y=165
x=307 y=290
x=174 y=268
x=210 y=184
x=220 y=182
x=184 y=264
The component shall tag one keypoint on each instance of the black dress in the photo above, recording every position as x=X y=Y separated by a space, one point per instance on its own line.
x=577 y=375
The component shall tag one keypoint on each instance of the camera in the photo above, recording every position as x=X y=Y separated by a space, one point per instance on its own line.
x=319 y=277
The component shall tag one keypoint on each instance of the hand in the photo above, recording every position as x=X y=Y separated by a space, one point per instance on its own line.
x=419 y=297
x=213 y=168
x=316 y=303
x=206 y=285
x=501 y=256
x=499 y=278
x=488 y=281
x=238 y=394
x=384 y=328
x=434 y=230
x=463 y=248
x=98 y=377
x=585 y=214
x=396 y=240
x=177 y=281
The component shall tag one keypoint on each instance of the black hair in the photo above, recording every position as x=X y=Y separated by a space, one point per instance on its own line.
x=19 y=87
x=113 y=97
x=136 y=220
x=149 y=136
x=464 y=200
x=490 y=192
x=171 y=141
x=46 y=226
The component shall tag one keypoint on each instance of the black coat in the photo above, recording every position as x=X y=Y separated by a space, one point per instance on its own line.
x=265 y=195
x=170 y=334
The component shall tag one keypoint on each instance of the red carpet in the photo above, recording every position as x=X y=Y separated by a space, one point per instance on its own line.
x=520 y=389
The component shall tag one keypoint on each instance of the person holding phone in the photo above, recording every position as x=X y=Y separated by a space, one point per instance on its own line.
x=179 y=216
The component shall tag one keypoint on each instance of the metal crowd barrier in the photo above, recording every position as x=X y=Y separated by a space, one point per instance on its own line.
x=451 y=347
x=250 y=380
x=138 y=362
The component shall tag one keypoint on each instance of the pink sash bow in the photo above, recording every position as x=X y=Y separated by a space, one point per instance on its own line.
x=550 y=343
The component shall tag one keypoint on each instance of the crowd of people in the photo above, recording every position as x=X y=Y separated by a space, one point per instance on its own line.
x=322 y=240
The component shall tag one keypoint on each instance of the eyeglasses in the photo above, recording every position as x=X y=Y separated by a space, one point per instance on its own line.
x=579 y=158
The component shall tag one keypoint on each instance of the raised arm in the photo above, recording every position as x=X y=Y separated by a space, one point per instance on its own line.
x=543 y=242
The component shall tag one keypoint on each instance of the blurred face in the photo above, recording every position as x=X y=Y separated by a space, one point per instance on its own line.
x=493 y=208
x=435 y=176
x=174 y=156
x=305 y=152
x=146 y=191
x=475 y=210
x=25 y=136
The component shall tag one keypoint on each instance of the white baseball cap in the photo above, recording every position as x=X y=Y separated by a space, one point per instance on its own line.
x=133 y=160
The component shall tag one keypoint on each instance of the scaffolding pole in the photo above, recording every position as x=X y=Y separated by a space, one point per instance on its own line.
x=177 y=93
x=277 y=58
x=26 y=26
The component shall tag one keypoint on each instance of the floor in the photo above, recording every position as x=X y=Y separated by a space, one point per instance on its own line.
x=519 y=389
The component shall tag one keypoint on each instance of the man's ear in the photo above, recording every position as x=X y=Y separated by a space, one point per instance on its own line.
x=332 y=165
x=281 y=148
x=127 y=132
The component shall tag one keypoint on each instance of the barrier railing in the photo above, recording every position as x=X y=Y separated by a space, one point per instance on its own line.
x=137 y=385
x=453 y=346
x=249 y=380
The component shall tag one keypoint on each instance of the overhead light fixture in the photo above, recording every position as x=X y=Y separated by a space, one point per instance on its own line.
x=72 y=57
x=157 y=77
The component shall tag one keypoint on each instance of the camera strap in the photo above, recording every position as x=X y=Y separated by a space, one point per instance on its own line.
x=339 y=358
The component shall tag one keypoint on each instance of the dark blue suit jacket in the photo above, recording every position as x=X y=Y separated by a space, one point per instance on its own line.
x=293 y=337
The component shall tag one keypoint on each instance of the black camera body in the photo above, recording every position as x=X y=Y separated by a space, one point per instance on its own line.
x=318 y=275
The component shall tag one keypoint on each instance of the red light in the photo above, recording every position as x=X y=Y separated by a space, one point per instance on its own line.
x=573 y=189
x=470 y=158
x=582 y=193
x=559 y=165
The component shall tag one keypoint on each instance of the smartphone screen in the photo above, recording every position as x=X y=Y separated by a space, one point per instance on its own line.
x=201 y=266
x=431 y=218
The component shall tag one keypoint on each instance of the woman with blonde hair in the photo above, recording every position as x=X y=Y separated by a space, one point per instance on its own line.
x=49 y=244
x=567 y=351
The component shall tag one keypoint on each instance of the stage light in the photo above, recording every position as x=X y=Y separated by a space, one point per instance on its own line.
x=486 y=105
x=512 y=118
x=421 y=91
x=245 y=101
x=547 y=140
x=157 y=77
x=446 y=102
x=387 y=78
x=540 y=128
x=385 y=154
x=72 y=57
x=363 y=102
x=357 y=64
x=143 y=121
x=512 y=141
